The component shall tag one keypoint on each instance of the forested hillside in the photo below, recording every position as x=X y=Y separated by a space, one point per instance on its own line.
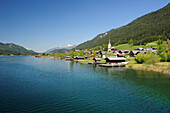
x=10 y=48
x=148 y=28
x=59 y=51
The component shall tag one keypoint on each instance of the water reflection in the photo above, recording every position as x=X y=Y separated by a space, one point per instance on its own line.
x=48 y=85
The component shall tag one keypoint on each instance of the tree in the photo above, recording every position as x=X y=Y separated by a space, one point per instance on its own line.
x=163 y=51
x=71 y=53
x=81 y=53
x=88 y=55
x=96 y=48
x=130 y=42
x=94 y=54
x=118 y=42
x=76 y=53
x=106 y=48
x=159 y=42
x=139 y=58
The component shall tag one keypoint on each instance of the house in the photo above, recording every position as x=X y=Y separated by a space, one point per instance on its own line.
x=91 y=56
x=77 y=51
x=80 y=57
x=97 y=52
x=154 y=48
x=38 y=56
x=113 y=49
x=113 y=60
x=148 y=49
x=139 y=49
x=103 y=53
x=68 y=58
x=96 y=60
x=133 y=53
x=143 y=52
x=120 y=55
x=124 y=52
x=88 y=52
x=85 y=50
x=66 y=52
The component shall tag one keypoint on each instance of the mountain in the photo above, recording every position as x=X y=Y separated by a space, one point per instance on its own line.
x=67 y=47
x=148 y=28
x=59 y=51
x=10 y=48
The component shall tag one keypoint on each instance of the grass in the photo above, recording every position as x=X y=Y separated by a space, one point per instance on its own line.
x=163 y=67
x=128 y=47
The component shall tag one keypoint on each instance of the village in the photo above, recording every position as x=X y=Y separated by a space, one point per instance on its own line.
x=111 y=58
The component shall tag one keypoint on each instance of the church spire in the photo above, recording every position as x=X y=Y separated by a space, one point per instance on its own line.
x=109 y=46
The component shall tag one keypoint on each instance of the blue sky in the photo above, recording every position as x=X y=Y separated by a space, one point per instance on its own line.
x=44 y=24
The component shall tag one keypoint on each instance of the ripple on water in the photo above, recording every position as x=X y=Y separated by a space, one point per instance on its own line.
x=45 y=85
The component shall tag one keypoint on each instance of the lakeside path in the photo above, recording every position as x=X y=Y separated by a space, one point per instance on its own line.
x=161 y=67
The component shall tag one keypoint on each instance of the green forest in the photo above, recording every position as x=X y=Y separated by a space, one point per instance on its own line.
x=145 y=29
x=59 y=51
x=13 y=49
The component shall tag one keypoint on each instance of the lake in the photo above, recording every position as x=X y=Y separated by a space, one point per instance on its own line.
x=29 y=84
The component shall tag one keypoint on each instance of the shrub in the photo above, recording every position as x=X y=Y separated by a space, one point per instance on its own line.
x=168 y=56
x=150 y=58
x=163 y=56
x=139 y=58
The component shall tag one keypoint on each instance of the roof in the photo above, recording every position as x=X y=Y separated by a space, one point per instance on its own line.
x=79 y=57
x=113 y=47
x=115 y=58
x=120 y=54
x=104 y=52
x=148 y=49
x=68 y=56
x=143 y=52
x=135 y=52
x=98 y=59
x=123 y=50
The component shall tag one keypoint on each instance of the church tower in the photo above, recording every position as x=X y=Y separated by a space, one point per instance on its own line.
x=109 y=46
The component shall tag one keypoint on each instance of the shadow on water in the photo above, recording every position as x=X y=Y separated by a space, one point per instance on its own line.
x=151 y=82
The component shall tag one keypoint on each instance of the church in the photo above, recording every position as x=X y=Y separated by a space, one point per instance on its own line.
x=110 y=48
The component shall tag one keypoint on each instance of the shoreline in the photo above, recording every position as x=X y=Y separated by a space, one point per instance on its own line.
x=161 y=67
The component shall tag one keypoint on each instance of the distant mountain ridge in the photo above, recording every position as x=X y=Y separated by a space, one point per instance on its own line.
x=10 y=48
x=68 y=47
x=144 y=29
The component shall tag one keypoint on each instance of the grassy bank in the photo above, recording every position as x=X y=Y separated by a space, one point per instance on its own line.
x=163 y=67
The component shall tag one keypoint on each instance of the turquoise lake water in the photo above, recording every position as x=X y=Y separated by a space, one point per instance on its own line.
x=29 y=84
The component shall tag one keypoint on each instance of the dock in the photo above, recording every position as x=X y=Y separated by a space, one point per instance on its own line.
x=112 y=65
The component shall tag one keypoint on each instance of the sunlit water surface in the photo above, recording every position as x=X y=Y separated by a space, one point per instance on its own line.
x=29 y=84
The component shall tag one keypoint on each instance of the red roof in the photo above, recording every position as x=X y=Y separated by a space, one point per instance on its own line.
x=120 y=55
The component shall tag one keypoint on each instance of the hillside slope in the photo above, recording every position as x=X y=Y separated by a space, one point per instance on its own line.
x=147 y=28
x=10 y=48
